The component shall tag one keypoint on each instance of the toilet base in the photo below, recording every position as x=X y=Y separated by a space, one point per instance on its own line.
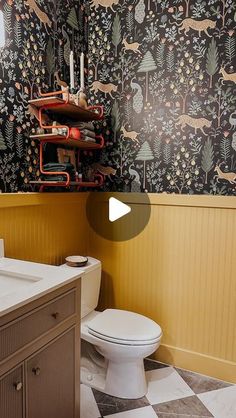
x=123 y=380
x=117 y=384
x=113 y=381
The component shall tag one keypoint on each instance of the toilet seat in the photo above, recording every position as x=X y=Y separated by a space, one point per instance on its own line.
x=124 y=327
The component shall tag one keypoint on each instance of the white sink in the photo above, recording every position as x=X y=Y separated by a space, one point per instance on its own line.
x=11 y=282
x=22 y=282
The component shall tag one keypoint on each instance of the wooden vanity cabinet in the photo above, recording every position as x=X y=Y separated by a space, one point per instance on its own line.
x=41 y=379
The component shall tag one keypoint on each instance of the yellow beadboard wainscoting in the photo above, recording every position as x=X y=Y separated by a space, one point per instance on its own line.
x=43 y=227
x=181 y=272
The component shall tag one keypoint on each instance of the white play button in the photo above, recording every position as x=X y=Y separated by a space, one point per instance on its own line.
x=117 y=209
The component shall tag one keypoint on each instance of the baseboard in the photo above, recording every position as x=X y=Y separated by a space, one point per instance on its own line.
x=197 y=362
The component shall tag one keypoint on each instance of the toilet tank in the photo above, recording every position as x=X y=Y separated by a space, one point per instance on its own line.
x=90 y=286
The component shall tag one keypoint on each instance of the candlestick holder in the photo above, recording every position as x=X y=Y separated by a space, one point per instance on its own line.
x=83 y=98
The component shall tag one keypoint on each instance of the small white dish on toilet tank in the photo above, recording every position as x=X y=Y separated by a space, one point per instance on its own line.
x=76 y=261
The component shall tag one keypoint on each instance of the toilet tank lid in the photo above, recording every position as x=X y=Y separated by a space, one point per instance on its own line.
x=92 y=264
x=125 y=325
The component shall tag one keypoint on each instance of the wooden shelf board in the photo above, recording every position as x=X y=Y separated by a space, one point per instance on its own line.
x=60 y=139
x=67 y=109
x=63 y=183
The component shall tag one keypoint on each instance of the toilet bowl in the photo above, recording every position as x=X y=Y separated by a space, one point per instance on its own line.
x=124 y=339
x=114 y=342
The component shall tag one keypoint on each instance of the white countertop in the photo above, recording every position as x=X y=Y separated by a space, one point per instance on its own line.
x=50 y=278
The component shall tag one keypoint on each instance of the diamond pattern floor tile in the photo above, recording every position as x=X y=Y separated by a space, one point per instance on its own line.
x=200 y=383
x=172 y=393
x=88 y=405
x=108 y=405
x=186 y=407
x=221 y=402
x=166 y=385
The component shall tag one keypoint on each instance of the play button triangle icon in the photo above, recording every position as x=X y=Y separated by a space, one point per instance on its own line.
x=117 y=209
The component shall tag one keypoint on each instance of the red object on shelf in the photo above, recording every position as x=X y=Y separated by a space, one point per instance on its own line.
x=74 y=133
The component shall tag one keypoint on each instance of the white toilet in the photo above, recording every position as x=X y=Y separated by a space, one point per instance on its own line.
x=114 y=342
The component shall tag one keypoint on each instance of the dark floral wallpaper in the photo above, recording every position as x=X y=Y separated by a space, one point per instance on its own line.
x=39 y=36
x=166 y=73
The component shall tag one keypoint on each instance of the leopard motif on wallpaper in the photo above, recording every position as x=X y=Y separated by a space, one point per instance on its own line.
x=170 y=69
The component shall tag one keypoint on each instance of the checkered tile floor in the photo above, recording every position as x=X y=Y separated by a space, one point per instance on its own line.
x=172 y=393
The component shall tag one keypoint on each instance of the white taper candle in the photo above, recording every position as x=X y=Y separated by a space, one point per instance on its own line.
x=82 y=70
x=72 y=72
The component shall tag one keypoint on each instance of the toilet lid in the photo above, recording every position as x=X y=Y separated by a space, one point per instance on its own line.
x=124 y=327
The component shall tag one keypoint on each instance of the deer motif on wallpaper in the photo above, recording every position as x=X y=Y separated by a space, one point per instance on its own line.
x=133 y=135
x=43 y=17
x=221 y=175
x=227 y=76
x=134 y=46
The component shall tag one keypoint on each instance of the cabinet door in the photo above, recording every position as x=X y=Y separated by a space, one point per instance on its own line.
x=50 y=380
x=12 y=394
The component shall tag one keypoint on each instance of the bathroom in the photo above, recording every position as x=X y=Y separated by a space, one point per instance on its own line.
x=142 y=183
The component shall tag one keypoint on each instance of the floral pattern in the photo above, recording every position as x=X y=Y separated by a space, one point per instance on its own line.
x=33 y=52
x=163 y=69
x=166 y=83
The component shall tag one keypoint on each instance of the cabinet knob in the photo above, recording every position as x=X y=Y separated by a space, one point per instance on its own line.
x=55 y=315
x=18 y=386
x=36 y=371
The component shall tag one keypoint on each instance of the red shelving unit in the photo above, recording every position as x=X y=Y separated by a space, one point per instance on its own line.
x=52 y=103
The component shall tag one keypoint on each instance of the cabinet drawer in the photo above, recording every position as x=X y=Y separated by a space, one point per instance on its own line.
x=34 y=324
